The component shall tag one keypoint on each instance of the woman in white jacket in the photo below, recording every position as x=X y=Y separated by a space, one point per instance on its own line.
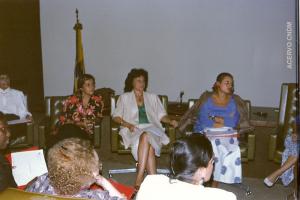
x=140 y=115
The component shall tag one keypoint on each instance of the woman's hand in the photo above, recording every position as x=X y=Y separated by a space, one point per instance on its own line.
x=103 y=182
x=131 y=127
x=174 y=123
x=219 y=121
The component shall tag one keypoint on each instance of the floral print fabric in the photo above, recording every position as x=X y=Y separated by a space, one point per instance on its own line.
x=74 y=111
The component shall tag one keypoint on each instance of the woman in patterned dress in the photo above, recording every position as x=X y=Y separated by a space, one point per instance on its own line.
x=83 y=109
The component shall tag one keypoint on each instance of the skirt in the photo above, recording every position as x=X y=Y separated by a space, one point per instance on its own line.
x=156 y=135
x=228 y=166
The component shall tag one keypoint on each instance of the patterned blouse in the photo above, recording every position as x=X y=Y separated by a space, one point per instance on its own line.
x=42 y=185
x=74 y=111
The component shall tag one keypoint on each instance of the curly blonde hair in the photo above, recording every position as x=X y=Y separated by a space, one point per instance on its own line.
x=71 y=164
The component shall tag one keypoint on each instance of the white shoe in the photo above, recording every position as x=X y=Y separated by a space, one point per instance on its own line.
x=268 y=183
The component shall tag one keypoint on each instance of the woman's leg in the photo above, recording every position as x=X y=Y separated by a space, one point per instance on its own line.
x=143 y=153
x=151 y=163
x=288 y=163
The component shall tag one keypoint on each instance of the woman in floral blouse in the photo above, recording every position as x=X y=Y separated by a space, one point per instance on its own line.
x=83 y=109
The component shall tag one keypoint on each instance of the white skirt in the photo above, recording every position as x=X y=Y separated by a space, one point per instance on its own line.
x=156 y=136
x=228 y=166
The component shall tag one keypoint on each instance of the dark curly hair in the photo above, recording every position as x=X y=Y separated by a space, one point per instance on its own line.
x=134 y=73
x=220 y=78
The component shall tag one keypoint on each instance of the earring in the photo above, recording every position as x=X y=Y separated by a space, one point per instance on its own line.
x=201 y=181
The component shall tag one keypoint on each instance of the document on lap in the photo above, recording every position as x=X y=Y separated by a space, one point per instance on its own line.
x=220 y=132
x=28 y=165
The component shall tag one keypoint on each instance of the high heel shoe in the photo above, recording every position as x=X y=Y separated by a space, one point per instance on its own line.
x=269 y=183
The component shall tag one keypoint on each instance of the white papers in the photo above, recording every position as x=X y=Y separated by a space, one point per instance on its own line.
x=221 y=129
x=220 y=132
x=28 y=165
x=18 y=121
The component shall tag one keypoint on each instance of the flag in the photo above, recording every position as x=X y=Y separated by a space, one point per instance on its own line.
x=79 y=62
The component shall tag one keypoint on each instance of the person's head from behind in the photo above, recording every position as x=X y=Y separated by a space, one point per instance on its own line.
x=68 y=131
x=4 y=132
x=4 y=81
x=192 y=159
x=86 y=84
x=224 y=83
x=73 y=164
x=137 y=79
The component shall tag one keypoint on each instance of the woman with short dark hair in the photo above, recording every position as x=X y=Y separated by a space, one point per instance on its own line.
x=83 y=108
x=140 y=114
x=191 y=165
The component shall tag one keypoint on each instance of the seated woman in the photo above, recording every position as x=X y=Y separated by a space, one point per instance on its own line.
x=191 y=165
x=83 y=109
x=140 y=115
x=289 y=159
x=217 y=109
x=6 y=178
x=73 y=166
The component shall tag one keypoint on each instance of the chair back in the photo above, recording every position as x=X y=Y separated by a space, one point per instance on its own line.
x=285 y=112
x=53 y=108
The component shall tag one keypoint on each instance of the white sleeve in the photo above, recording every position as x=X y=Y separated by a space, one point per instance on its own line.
x=22 y=105
x=160 y=110
x=119 y=111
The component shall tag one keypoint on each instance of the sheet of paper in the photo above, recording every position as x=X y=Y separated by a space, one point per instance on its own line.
x=18 y=121
x=28 y=165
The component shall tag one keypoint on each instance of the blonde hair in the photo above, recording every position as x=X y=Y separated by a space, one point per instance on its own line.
x=71 y=163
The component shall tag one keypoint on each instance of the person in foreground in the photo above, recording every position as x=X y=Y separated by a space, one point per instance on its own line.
x=6 y=178
x=73 y=166
x=217 y=109
x=191 y=163
x=140 y=115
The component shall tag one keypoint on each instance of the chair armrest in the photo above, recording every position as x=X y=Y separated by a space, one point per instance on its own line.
x=170 y=132
x=42 y=129
x=272 y=145
x=30 y=133
x=97 y=135
x=115 y=128
x=251 y=145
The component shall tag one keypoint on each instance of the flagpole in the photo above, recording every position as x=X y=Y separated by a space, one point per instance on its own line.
x=79 y=61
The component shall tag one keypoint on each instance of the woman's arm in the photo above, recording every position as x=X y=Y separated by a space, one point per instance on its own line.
x=166 y=119
x=122 y=122
x=103 y=182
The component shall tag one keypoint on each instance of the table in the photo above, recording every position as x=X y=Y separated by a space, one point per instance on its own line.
x=264 y=116
x=176 y=110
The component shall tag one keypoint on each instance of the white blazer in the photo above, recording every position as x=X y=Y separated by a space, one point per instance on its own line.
x=127 y=109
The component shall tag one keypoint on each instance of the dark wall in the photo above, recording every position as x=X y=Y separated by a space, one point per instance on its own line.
x=20 y=48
